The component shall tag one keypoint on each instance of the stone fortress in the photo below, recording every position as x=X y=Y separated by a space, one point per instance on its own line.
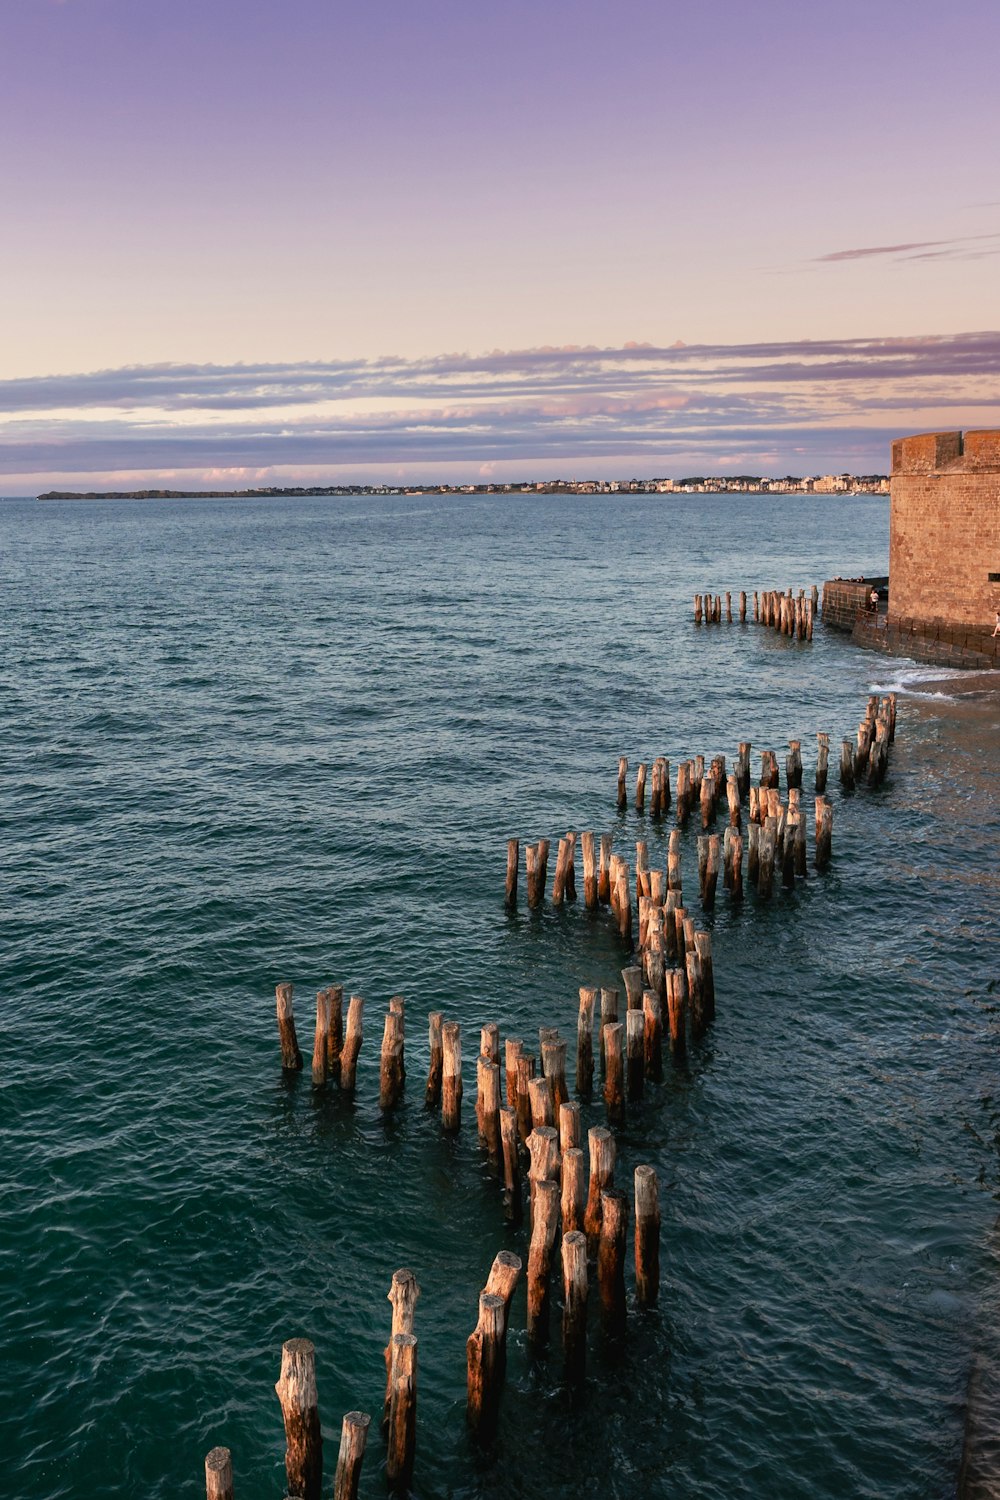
x=944 y=555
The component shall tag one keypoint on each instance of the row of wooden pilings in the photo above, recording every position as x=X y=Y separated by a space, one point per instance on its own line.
x=790 y=613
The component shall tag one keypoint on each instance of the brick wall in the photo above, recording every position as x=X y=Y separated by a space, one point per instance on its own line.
x=944 y=529
x=844 y=598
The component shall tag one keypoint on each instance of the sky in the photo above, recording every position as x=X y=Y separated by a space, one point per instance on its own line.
x=321 y=240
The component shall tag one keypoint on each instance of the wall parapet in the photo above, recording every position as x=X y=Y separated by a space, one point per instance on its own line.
x=976 y=452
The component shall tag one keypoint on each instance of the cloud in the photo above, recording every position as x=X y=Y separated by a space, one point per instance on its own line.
x=638 y=402
x=953 y=249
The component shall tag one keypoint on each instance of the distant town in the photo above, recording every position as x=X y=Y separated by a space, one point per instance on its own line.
x=698 y=484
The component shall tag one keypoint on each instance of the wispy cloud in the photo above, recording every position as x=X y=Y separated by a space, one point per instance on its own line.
x=958 y=248
x=638 y=402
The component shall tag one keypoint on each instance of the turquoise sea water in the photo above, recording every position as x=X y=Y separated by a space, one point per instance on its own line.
x=256 y=741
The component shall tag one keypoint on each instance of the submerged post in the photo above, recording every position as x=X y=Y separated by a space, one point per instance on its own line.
x=296 y=1391
x=291 y=1057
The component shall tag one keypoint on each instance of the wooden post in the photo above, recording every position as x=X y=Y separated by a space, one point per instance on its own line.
x=513 y=1049
x=676 y=1007
x=640 y=787
x=489 y=1041
x=703 y=948
x=793 y=764
x=502 y=1282
x=633 y=987
x=729 y=607
x=483 y=1362
x=609 y=1013
x=743 y=768
x=402 y=1411
x=574 y=1323
x=569 y=1126
x=788 y=852
x=488 y=1089
x=543 y=1154
x=602 y=1150
x=562 y=868
x=296 y=1390
x=743 y=606
x=511 y=1165
x=611 y=1256
x=695 y=990
x=451 y=1076
x=391 y=1071
x=554 y=1069
x=635 y=1038
x=589 y=871
x=697 y=609
x=574 y=1193
x=585 y=1042
x=335 y=1035
x=291 y=1057
x=403 y=1294
x=353 y=1436
x=733 y=801
x=432 y=1095
x=604 y=871
x=544 y=1232
x=707 y=799
x=652 y=1042
x=684 y=794
x=513 y=858
x=541 y=1102
x=647 y=1237
x=322 y=1041
x=543 y=867
x=824 y=832
x=219 y=1475
x=801 y=857
x=822 y=761
x=847 y=765
x=710 y=879
x=766 y=847
x=614 y=1074
x=622 y=789
x=525 y=1073
x=531 y=874
x=352 y=1042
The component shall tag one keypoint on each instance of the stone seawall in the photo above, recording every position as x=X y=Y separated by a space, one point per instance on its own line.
x=845 y=598
x=941 y=645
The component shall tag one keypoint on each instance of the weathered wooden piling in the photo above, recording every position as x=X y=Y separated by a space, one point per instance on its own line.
x=622 y=788
x=585 y=1041
x=291 y=1057
x=647 y=1237
x=652 y=1042
x=488 y=1104
x=219 y=1475
x=553 y=1053
x=708 y=868
x=788 y=852
x=640 y=787
x=614 y=1072
x=541 y=1102
x=801 y=857
x=632 y=979
x=335 y=1033
x=562 y=869
x=703 y=948
x=320 y=1069
x=604 y=871
x=353 y=1037
x=743 y=768
x=766 y=849
x=402 y=1432
x=513 y=1049
x=589 y=871
x=574 y=1321
x=525 y=1073
x=707 y=799
x=743 y=606
x=695 y=991
x=793 y=764
x=353 y=1437
x=484 y=1366
x=543 y=1155
x=685 y=791
x=847 y=764
x=571 y=868
x=822 y=761
x=392 y=1074
x=512 y=1204
x=513 y=860
x=568 y=1123
x=574 y=1188
x=674 y=862
x=403 y=1295
x=635 y=1036
x=824 y=832
x=697 y=609
x=451 y=1076
x=432 y=1093
x=611 y=1256
x=602 y=1152
x=502 y=1282
x=609 y=1013
x=296 y=1391
x=544 y=1233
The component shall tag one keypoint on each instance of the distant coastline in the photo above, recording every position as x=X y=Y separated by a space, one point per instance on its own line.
x=723 y=484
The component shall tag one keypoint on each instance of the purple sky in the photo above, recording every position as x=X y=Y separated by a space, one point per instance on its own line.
x=327 y=184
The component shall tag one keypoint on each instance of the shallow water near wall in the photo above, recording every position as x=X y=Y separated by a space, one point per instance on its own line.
x=244 y=742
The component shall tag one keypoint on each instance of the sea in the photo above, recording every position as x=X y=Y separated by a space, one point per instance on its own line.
x=244 y=742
